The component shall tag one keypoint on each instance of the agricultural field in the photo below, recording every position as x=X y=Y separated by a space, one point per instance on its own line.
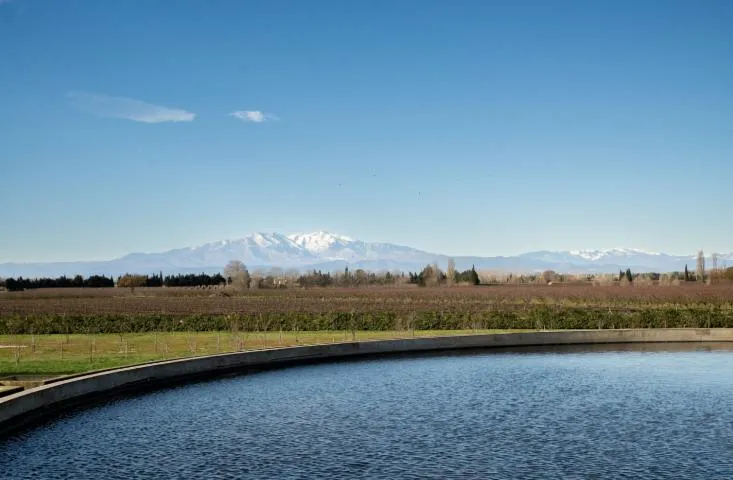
x=50 y=331
x=217 y=301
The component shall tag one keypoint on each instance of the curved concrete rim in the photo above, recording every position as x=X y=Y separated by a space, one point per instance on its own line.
x=24 y=408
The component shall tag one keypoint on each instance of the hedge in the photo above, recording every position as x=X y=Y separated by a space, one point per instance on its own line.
x=534 y=318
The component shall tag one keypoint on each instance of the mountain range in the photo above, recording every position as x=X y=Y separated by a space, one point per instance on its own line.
x=329 y=252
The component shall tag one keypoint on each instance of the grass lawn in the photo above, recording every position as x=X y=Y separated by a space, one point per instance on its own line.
x=66 y=354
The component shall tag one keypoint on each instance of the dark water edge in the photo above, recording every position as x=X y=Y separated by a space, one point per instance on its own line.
x=585 y=411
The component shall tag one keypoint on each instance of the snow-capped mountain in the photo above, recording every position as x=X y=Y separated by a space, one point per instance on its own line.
x=319 y=241
x=613 y=256
x=595 y=255
x=330 y=252
x=257 y=249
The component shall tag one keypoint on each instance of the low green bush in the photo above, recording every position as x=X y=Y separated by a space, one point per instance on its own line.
x=539 y=317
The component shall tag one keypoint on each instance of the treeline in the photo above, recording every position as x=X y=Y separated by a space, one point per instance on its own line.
x=188 y=280
x=94 y=281
x=193 y=280
x=101 y=281
x=431 y=275
x=348 y=278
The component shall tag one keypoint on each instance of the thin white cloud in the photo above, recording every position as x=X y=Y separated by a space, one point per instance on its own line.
x=127 y=108
x=255 y=116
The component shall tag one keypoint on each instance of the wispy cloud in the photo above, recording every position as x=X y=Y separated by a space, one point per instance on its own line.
x=127 y=108
x=255 y=116
x=5 y=1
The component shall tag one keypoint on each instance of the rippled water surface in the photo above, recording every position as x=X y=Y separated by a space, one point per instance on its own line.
x=617 y=414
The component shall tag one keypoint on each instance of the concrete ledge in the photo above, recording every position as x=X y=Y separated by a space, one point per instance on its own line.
x=20 y=409
x=9 y=390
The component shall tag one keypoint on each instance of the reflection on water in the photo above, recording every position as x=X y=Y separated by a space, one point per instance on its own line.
x=632 y=411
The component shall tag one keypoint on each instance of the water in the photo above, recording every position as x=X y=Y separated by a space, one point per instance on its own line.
x=551 y=414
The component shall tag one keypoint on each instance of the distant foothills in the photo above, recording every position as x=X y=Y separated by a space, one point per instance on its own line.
x=275 y=255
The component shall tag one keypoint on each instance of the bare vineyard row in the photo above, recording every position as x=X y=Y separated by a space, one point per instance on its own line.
x=369 y=300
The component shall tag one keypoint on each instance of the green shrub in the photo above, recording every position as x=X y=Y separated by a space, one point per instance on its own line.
x=538 y=317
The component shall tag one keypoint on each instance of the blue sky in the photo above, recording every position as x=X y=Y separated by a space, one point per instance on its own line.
x=469 y=127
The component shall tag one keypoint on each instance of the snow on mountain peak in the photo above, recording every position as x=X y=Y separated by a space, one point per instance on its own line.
x=597 y=254
x=317 y=241
x=262 y=239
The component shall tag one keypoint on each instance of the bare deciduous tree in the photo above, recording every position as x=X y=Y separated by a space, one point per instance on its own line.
x=429 y=275
x=451 y=272
x=237 y=272
x=700 y=269
x=132 y=281
x=549 y=276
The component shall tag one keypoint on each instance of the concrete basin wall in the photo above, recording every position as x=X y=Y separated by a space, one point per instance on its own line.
x=20 y=409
